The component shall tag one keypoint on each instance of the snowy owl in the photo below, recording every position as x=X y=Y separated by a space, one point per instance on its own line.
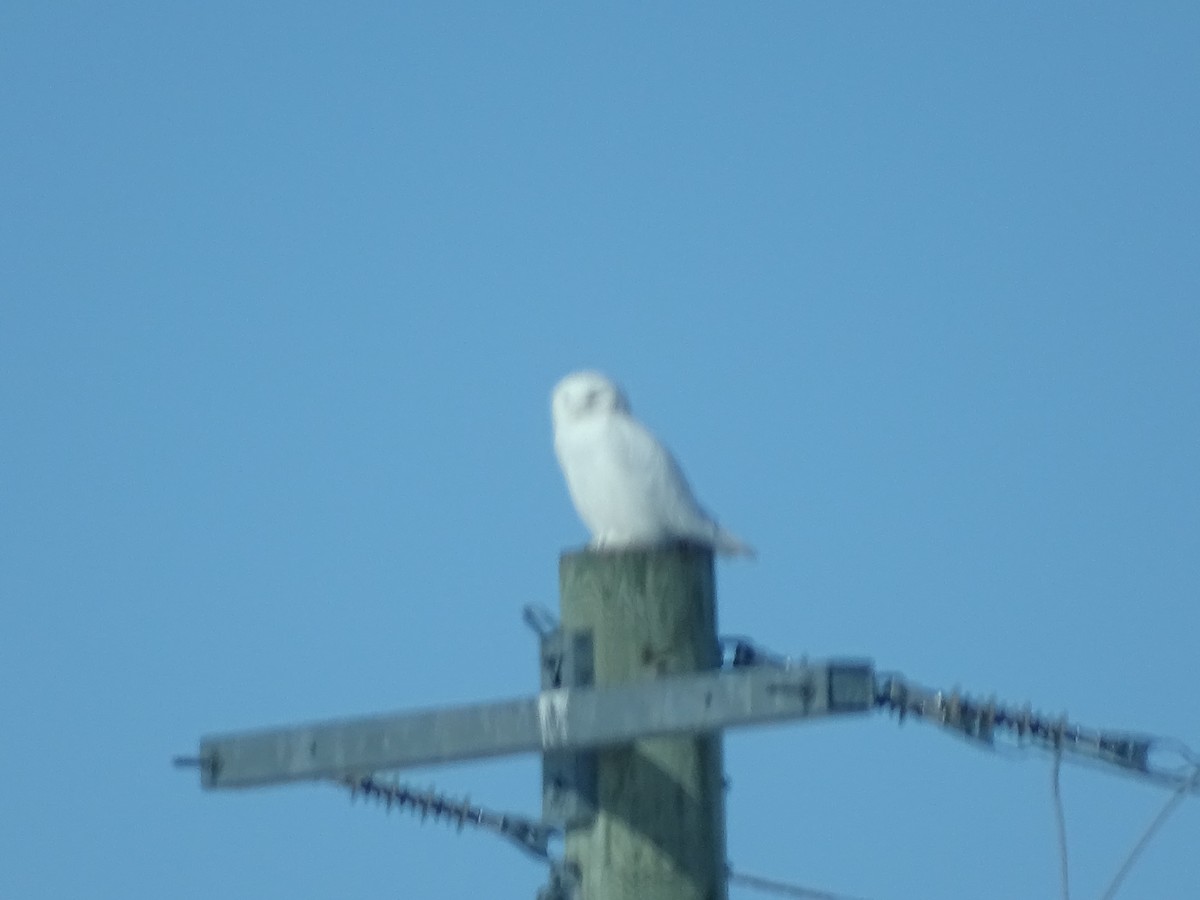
x=625 y=485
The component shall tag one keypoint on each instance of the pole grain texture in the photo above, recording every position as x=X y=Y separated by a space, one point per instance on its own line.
x=659 y=832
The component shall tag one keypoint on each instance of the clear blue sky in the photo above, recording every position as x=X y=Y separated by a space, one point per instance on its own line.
x=913 y=294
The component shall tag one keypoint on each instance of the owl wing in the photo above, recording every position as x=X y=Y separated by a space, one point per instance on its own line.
x=665 y=498
x=666 y=504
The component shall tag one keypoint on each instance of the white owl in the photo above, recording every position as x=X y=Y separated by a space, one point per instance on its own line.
x=625 y=485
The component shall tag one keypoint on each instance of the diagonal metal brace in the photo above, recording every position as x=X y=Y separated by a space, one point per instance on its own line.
x=531 y=836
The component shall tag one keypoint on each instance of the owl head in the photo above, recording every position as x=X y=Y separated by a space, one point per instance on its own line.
x=584 y=394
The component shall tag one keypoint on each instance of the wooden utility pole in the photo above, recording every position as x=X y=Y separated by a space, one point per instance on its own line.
x=659 y=828
x=628 y=723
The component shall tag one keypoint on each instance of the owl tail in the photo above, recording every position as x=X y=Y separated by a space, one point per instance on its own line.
x=727 y=543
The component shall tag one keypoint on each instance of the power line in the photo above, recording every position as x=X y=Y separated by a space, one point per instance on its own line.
x=983 y=721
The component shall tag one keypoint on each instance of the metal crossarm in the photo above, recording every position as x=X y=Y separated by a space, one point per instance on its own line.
x=568 y=719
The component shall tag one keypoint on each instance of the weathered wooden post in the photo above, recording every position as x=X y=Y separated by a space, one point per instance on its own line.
x=659 y=828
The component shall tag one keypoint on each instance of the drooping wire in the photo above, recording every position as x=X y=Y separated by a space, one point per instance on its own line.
x=1060 y=820
x=1155 y=824
x=783 y=888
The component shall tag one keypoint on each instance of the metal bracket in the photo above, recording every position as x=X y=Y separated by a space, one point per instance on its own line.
x=568 y=779
x=564 y=883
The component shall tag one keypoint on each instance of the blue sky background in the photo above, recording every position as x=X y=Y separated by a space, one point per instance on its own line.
x=914 y=294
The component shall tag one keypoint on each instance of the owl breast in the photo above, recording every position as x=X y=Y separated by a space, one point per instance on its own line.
x=614 y=481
